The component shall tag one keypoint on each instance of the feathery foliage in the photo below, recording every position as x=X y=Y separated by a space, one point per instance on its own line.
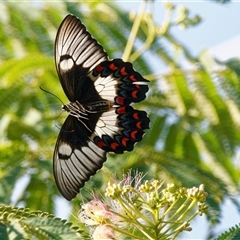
x=194 y=135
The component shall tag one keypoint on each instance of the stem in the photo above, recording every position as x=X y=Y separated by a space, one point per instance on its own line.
x=147 y=43
x=178 y=220
x=171 y=219
x=133 y=33
x=113 y=227
x=193 y=203
x=129 y=209
x=180 y=209
x=127 y=205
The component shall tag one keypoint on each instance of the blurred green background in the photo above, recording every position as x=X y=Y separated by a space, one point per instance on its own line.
x=194 y=135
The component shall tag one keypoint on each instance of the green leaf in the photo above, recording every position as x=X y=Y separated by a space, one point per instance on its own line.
x=3 y=232
x=7 y=181
x=232 y=234
x=48 y=228
x=42 y=225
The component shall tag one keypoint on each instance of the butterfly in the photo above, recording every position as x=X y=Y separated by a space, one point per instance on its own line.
x=100 y=117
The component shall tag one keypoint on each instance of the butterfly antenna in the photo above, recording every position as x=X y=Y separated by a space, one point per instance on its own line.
x=59 y=100
x=55 y=122
x=52 y=95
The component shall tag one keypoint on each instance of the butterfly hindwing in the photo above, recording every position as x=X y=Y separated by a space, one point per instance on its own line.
x=76 y=157
x=117 y=81
x=119 y=129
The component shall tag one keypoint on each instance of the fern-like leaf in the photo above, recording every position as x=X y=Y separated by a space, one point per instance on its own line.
x=41 y=225
x=232 y=234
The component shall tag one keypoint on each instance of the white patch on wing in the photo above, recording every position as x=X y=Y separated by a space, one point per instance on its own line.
x=84 y=162
x=72 y=39
x=85 y=54
x=65 y=149
x=73 y=171
x=140 y=83
x=66 y=64
x=106 y=81
x=106 y=87
x=107 y=124
x=93 y=152
x=72 y=176
x=91 y=61
x=100 y=123
x=99 y=87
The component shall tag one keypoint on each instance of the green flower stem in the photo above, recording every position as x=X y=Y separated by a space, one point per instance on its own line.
x=193 y=216
x=179 y=209
x=133 y=33
x=193 y=203
x=178 y=221
x=171 y=219
x=134 y=209
x=171 y=207
x=169 y=226
x=129 y=210
x=167 y=20
x=120 y=230
x=180 y=229
x=137 y=225
x=150 y=38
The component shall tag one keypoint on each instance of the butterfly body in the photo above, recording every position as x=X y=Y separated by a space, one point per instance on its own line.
x=100 y=118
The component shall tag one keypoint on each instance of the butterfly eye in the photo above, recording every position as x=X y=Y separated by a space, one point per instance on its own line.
x=100 y=117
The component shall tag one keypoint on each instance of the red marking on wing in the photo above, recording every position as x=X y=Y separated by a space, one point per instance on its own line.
x=120 y=100
x=134 y=94
x=133 y=134
x=121 y=110
x=135 y=115
x=123 y=71
x=124 y=141
x=112 y=67
x=99 y=68
x=138 y=125
x=101 y=144
x=132 y=78
x=114 y=145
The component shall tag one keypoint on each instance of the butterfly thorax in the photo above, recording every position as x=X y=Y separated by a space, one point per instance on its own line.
x=79 y=110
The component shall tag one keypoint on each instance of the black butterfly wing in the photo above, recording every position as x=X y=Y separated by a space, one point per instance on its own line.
x=88 y=77
x=119 y=128
x=76 y=157
x=76 y=53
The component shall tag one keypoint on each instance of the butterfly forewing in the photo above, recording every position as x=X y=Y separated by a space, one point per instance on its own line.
x=76 y=53
x=100 y=117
